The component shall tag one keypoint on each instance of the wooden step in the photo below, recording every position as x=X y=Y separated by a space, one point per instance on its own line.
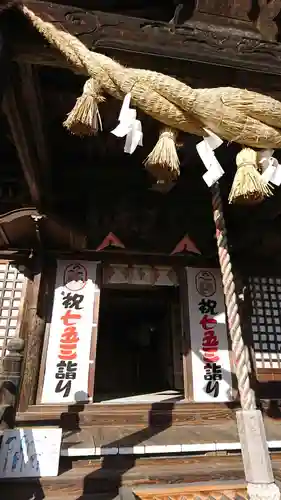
x=108 y=475
x=140 y=440
x=69 y=417
x=221 y=490
x=95 y=496
x=154 y=439
x=201 y=476
x=99 y=440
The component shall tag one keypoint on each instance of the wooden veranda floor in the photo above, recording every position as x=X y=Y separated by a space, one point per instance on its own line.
x=191 y=478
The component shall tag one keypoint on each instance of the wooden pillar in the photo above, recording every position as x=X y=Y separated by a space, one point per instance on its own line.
x=9 y=382
x=38 y=296
x=186 y=343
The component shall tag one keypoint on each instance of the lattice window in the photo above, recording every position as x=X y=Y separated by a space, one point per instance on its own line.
x=266 y=321
x=12 y=286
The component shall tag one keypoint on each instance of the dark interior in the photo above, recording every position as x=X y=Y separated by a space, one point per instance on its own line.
x=134 y=350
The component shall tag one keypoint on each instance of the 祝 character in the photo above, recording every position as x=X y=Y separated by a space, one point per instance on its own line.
x=75 y=277
x=205 y=283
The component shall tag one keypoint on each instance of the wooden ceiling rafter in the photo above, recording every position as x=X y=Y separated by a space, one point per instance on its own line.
x=32 y=97
x=20 y=125
x=4 y=236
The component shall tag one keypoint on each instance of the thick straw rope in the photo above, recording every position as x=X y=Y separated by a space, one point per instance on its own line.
x=234 y=114
x=241 y=356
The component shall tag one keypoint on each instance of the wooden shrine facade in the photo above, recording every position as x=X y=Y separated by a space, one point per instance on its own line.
x=35 y=304
x=61 y=196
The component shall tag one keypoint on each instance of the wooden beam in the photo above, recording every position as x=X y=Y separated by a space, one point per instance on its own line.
x=221 y=46
x=40 y=55
x=34 y=108
x=5 y=61
x=35 y=328
x=78 y=242
x=21 y=129
x=4 y=236
x=10 y=373
x=17 y=214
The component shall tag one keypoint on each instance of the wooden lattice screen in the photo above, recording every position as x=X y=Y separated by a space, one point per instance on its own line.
x=266 y=322
x=12 y=287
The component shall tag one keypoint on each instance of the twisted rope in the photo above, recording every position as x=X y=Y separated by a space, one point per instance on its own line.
x=240 y=351
x=234 y=114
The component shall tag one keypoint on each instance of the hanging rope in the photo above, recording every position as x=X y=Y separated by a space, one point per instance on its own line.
x=241 y=356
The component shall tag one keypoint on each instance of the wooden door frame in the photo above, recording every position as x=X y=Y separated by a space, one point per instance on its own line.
x=186 y=338
x=39 y=290
x=129 y=286
x=94 y=339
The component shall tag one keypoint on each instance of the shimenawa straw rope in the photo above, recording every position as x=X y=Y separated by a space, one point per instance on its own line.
x=236 y=115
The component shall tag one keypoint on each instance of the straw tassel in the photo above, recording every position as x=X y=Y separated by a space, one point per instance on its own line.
x=163 y=162
x=85 y=118
x=248 y=186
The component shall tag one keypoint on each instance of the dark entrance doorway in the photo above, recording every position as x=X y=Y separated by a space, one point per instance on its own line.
x=134 y=349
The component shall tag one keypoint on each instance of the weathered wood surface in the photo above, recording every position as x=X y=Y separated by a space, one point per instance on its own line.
x=20 y=126
x=129 y=426
x=103 y=478
x=131 y=414
x=190 y=420
x=10 y=371
x=108 y=475
x=100 y=30
x=226 y=491
x=31 y=96
x=35 y=327
x=22 y=105
x=120 y=437
x=266 y=20
x=145 y=439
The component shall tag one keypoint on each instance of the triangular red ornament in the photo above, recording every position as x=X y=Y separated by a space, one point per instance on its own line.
x=186 y=245
x=110 y=241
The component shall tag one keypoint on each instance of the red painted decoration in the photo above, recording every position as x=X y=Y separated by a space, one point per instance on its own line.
x=110 y=241
x=186 y=245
